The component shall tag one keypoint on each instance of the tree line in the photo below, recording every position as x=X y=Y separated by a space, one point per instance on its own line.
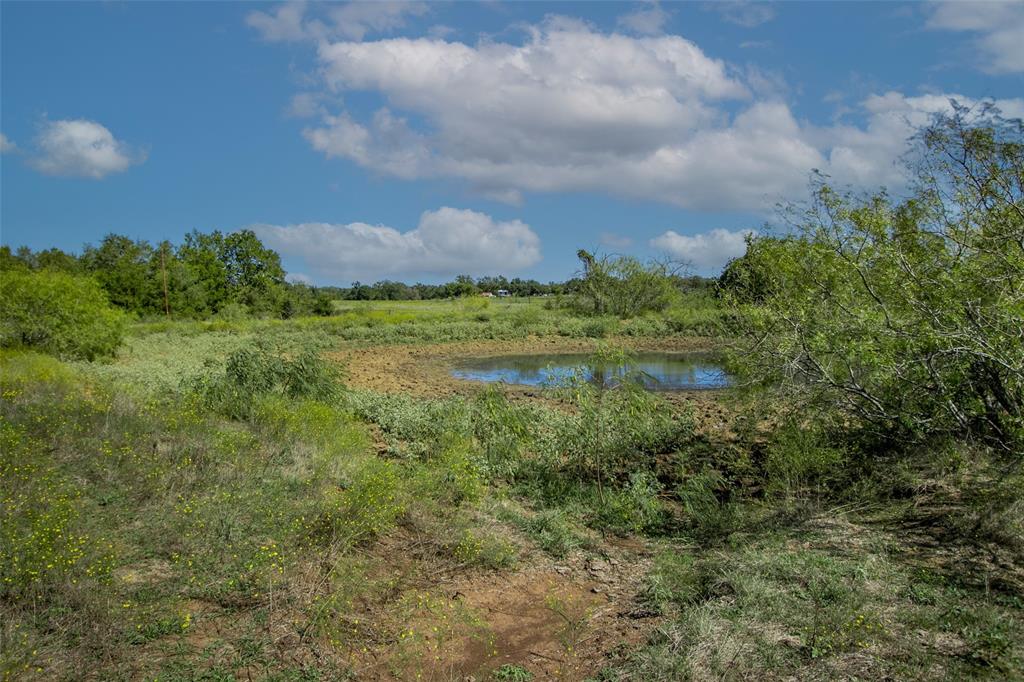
x=208 y=274
x=234 y=275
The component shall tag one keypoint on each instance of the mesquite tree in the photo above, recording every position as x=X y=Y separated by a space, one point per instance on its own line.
x=907 y=315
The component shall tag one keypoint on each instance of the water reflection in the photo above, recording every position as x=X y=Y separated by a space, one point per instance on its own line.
x=657 y=371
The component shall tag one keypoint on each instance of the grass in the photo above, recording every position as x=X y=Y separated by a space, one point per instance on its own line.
x=828 y=599
x=210 y=507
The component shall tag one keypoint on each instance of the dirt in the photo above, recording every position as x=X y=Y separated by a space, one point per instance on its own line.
x=425 y=370
x=556 y=619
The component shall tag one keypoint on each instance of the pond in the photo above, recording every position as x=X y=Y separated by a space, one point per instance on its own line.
x=657 y=371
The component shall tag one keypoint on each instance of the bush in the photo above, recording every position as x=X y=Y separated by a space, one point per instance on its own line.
x=57 y=313
x=623 y=285
x=366 y=506
x=905 y=316
x=800 y=461
x=634 y=508
x=260 y=370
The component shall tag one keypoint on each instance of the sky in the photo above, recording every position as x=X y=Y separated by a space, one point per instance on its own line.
x=418 y=141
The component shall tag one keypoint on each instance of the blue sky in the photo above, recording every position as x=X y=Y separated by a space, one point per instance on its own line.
x=417 y=141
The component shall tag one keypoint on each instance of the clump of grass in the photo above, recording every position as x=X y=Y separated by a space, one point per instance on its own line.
x=511 y=673
x=487 y=550
x=365 y=506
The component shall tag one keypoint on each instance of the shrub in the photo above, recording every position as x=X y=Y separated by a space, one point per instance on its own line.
x=259 y=370
x=367 y=506
x=623 y=285
x=906 y=316
x=58 y=313
x=799 y=461
x=634 y=508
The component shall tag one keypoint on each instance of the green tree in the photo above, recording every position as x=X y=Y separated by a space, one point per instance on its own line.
x=66 y=315
x=121 y=266
x=623 y=285
x=907 y=315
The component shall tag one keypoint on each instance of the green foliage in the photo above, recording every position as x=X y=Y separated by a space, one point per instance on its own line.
x=905 y=316
x=260 y=370
x=675 y=580
x=365 y=506
x=706 y=515
x=616 y=422
x=66 y=315
x=633 y=508
x=801 y=462
x=501 y=430
x=475 y=548
x=623 y=285
x=511 y=673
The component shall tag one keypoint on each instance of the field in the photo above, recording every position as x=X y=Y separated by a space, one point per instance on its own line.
x=316 y=498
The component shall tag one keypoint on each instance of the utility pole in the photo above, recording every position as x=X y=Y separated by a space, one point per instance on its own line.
x=163 y=268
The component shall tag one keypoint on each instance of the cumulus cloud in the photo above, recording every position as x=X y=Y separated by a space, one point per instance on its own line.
x=81 y=148
x=743 y=12
x=6 y=145
x=299 y=278
x=570 y=108
x=294 y=21
x=706 y=252
x=446 y=242
x=998 y=28
x=648 y=20
x=868 y=156
x=284 y=24
x=355 y=19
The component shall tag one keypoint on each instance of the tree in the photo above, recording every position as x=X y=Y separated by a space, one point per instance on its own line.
x=623 y=285
x=908 y=316
x=59 y=313
x=121 y=267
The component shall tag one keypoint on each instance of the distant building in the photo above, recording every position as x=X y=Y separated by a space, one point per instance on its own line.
x=487 y=294
x=503 y=293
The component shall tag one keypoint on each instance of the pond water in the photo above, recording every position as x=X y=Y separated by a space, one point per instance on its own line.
x=657 y=371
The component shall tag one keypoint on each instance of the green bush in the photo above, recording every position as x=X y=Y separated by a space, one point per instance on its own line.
x=906 y=316
x=633 y=508
x=259 y=370
x=799 y=461
x=58 y=313
x=364 y=507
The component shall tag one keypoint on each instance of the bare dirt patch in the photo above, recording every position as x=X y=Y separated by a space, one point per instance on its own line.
x=424 y=371
x=558 y=619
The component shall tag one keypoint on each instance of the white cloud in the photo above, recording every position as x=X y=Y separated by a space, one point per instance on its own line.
x=743 y=12
x=284 y=24
x=998 y=27
x=706 y=252
x=81 y=148
x=291 y=21
x=647 y=21
x=615 y=241
x=6 y=145
x=356 y=19
x=573 y=109
x=868 y=157
x=446 y=242
x=299 y=278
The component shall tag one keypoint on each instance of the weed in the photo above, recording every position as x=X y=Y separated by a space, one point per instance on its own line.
x=511 y=673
